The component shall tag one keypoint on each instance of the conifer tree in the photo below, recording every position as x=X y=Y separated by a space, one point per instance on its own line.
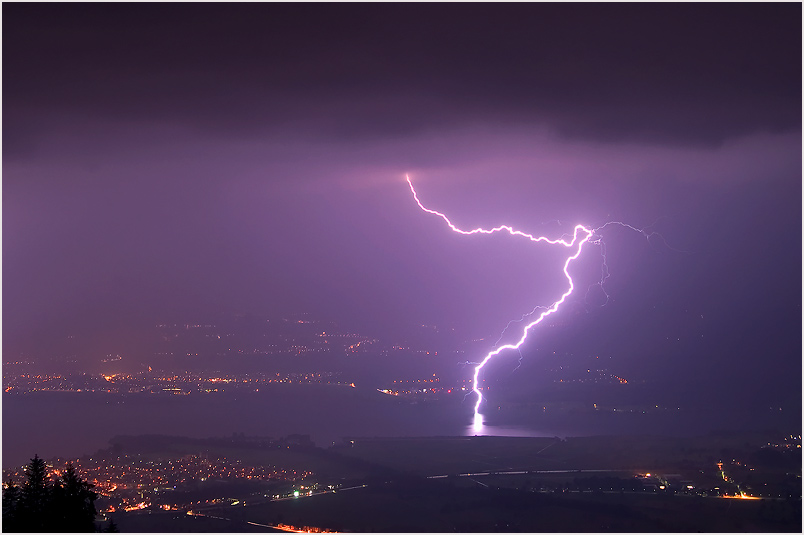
x=67 y=505
x=12 y=495
x=35 y=497
x=73 y=503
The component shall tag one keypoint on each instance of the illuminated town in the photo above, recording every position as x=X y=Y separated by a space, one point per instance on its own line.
x=155 y=383
x=131 y=483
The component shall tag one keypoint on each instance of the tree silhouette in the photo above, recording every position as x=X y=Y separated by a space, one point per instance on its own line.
x=12 y=496
x=74 y=503
x=66 y=505
x=35 y=496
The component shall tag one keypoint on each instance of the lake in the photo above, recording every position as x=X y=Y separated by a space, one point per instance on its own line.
x=71 y=424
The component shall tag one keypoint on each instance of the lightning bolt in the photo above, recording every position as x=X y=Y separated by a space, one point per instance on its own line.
x=580 y=237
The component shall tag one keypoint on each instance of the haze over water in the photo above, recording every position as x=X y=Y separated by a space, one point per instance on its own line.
x=74 y=424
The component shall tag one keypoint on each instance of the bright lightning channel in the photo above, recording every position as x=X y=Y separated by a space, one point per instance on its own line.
x=581 y=236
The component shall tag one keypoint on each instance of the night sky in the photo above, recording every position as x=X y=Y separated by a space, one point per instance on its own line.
x=170 y=162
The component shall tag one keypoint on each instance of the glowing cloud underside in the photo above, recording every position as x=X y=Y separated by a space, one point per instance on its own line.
x=580 y=237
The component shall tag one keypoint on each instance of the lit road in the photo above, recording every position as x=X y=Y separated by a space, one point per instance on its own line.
x=261 y=498
x=522 y=472
x=280 y=527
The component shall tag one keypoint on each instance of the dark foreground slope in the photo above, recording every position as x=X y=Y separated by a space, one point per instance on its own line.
x=746 y=482
x=450 y=505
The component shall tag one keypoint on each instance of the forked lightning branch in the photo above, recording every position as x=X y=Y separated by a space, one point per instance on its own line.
x=581 y=236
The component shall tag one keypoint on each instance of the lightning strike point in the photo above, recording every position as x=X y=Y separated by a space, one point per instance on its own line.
x=477 y=425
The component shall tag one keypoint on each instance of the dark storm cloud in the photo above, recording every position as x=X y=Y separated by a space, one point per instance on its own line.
x=696 y=73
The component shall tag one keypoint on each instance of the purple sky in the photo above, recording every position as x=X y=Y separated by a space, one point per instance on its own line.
x=163 y=162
